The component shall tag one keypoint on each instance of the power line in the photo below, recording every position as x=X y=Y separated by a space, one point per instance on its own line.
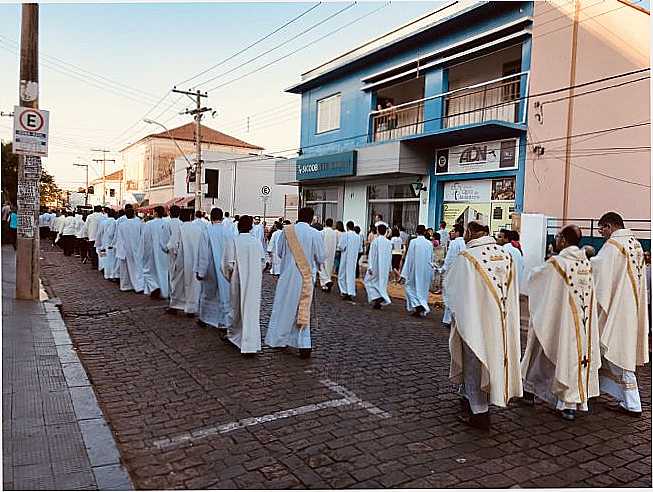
x=85 y=71
x=229 y=82
x=251 y=45
x=274 y=48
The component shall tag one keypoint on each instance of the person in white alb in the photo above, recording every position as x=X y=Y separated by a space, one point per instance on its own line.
x=191 y=235
x=129 y=251
x=417 y=272
x=444 y=235
x=619 y=272
x=275 y=261
x=350 y=246
x=379 y=265
x=562 y=358
x=91 y=227
x=484 y=342
x=456 y=246
x=155 y=259
x=301 y=250
x=243 y=262
x=330 y=238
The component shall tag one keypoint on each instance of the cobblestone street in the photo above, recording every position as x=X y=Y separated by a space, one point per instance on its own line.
x=372 y=408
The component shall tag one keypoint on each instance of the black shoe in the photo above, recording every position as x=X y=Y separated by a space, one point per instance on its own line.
x=304 y=353
x=155 y=294
x=376 y=303
x=477 y=420
x=190 y=315
x=201 y=324
x=528 y=399
x=328 y=286
x=569 y=415
x=171 y=311
x=346 y=297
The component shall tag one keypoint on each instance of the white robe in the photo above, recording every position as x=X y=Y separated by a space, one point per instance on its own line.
x=174 y=247
x=282 y=329
x=621 y=293
x=191 y=233
x=418 y=273
x=107 y=247
x=330 y=238
x=274 y=257
x=98 y=243
x=379 y=265
x=215 y=303
x=155 y=259
x=484 y=300
x=116 y=265
x=350 y=245
x=129 y=252
x=258 y=231
x=562 y=358
x=518 y=262
x=243 y=262
x=453 y=250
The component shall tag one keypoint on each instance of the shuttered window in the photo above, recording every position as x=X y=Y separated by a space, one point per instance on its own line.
x=328 y=114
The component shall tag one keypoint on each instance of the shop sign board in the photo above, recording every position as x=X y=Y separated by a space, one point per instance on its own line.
x=480 y=190
x=327 y=166
x=497 y=155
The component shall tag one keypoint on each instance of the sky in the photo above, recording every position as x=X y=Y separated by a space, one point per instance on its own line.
x=103 y=67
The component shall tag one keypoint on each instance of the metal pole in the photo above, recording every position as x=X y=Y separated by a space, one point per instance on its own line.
x=86 y=198
x=198 y=143
x=27 y=241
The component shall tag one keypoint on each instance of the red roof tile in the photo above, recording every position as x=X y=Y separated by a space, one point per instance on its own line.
x=209 y=135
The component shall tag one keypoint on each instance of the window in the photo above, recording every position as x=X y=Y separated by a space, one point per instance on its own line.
x=112 y=192
x=211 y=179
x=328 y=114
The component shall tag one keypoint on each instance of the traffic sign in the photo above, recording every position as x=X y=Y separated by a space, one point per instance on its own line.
x=265 y=190
x=31 y=131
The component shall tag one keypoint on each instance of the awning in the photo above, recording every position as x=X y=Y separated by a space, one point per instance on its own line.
x=180 y=201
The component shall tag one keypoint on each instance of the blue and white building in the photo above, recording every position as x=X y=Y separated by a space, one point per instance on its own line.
x=424 y=123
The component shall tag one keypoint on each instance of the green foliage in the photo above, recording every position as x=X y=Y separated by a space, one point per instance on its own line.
x=48 y=189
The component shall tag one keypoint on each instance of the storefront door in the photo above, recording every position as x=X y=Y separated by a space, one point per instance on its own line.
x=396 y=203
x=324 y=201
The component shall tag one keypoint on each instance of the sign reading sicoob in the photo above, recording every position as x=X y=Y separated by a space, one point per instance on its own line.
x=327 y=166
x=497 y=155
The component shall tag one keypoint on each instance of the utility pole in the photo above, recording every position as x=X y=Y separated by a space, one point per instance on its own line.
x=197 y=114
x=104 y=161
x=86 y=166
x=27 y=241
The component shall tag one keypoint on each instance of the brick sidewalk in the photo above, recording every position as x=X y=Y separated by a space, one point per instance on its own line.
x=373 y=408
x=54 y=434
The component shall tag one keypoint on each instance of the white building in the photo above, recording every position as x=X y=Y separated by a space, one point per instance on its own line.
x=107 y=191
x=148 y=163
x=237 y=184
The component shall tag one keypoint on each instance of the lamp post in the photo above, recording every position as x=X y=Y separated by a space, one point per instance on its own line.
x=86 y=166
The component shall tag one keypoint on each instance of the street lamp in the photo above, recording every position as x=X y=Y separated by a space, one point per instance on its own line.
x=86 y=166
x=152 y=122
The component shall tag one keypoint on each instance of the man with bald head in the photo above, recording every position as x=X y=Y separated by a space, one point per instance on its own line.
x=562 y=358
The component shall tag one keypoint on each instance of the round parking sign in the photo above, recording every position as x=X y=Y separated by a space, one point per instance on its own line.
x=265 y=190
x=31 y=120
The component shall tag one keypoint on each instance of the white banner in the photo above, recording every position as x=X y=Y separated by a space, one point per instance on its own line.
x=468 y=191
x=497 y=155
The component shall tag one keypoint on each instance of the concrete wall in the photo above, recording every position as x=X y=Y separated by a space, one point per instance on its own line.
x=250 y=175
x=613 y=38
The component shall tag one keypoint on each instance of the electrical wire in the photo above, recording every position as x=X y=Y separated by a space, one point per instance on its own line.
x=231 y=57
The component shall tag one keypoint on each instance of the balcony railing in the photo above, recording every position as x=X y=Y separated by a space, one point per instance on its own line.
x=497 y=99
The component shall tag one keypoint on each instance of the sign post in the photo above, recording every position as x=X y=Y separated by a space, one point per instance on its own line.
x=30 y=131
x=265 y=195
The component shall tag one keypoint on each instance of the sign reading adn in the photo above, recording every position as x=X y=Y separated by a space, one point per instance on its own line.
x=498 y=155
x=30 y=131
x=328 y=166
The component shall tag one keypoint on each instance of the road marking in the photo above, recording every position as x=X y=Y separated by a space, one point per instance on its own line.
x=350 y=398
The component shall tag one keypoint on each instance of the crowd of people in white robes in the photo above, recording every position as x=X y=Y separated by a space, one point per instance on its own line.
x=589 y=319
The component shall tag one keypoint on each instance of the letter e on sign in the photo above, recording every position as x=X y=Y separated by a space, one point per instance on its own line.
x=265 y=190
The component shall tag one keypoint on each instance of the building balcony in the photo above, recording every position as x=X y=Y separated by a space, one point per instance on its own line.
x=498 y=100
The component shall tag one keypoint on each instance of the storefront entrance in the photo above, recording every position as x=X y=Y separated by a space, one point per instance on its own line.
x=398 y=204
x=490 y=202
x=324 y=201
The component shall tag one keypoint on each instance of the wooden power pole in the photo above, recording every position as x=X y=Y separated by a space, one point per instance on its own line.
x=197 y=114
x=27 y=241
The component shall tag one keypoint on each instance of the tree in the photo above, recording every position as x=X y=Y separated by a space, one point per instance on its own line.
x=9 y=173
x=48 y=189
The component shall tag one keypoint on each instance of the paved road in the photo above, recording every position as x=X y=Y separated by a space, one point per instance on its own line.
x=373 y=407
